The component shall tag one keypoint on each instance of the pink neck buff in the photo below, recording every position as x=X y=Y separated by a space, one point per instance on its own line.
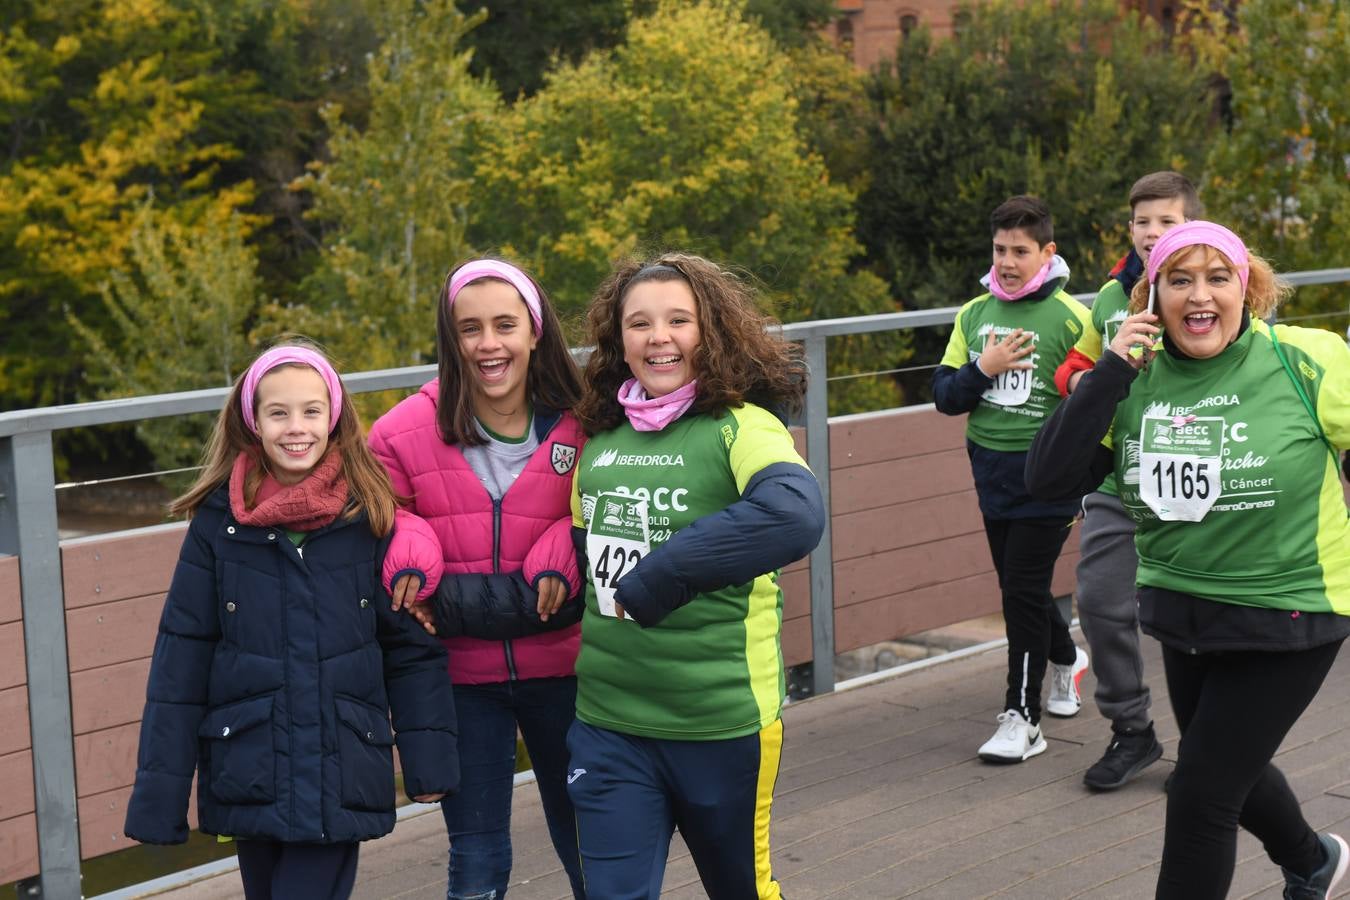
x=1029 y=288
x=654 y=413
x=280 y=356
x=477 y=269
x=1190 y=234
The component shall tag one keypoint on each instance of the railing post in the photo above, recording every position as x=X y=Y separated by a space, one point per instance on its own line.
x=822 y=558
x=28 y=530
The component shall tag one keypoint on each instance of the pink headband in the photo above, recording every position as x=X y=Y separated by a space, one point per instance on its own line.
x=492 y=268
x=1190 y=234
x=280 y=356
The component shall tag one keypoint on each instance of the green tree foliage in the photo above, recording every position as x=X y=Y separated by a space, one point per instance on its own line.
x=393 y=196
x=1281 y=175
x=520 y=40
x=683 y=137
x=1071 y=102
x=792 y=23
x=176 y=315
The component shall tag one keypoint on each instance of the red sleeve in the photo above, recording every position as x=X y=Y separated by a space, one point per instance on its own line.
x=1074 y=362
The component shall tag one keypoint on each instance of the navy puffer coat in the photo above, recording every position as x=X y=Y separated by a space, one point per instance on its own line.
x=273 y=676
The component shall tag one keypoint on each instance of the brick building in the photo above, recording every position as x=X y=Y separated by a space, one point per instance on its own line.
x=873 y=28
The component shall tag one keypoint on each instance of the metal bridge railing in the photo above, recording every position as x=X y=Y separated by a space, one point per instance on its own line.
x=28 y=529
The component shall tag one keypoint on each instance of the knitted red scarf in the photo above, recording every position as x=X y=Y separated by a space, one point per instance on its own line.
x=311 y=504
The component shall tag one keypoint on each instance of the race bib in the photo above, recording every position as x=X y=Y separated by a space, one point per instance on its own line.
x=616 y=541
x=1180 y=465
x=1010 y=388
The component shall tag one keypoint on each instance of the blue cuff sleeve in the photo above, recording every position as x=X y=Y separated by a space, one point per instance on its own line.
x=957 y=391
x=778 y=520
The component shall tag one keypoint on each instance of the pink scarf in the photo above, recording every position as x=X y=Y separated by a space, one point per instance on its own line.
x=309 y=505
x=1031 y=286
x=654 y=413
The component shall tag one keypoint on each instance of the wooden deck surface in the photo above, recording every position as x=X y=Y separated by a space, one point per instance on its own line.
x=881 y=796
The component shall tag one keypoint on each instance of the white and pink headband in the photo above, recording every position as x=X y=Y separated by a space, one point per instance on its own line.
x=493 y=268
x=280 y=356
x=1190 y=234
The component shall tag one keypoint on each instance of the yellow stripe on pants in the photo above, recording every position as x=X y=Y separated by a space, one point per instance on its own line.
x=770 y=754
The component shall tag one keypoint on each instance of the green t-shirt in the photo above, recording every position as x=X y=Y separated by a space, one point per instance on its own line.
x=1013 y=410
x=1109 y=309
x=712 y=669
x=1275 y=533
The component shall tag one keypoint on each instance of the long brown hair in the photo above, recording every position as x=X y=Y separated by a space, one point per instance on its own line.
x=737 y=359
x=552 y=379
x=367 y=481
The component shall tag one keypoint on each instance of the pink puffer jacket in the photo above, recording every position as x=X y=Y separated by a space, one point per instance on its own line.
x=532 y=524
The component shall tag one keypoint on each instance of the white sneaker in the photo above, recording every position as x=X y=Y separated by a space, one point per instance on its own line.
x=1064 y=698
x=1016 y=740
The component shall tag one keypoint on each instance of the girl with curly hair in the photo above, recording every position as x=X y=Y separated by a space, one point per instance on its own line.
x=688 y=498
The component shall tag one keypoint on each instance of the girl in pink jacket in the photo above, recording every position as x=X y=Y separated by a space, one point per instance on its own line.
x=486 y=452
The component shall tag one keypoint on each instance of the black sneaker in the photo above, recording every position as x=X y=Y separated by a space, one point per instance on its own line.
x=1320 y=884
x=1128 y=754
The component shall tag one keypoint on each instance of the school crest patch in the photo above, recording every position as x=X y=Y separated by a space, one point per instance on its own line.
x=564 y=457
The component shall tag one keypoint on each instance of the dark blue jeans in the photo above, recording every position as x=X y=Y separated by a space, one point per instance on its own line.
x=478 y=818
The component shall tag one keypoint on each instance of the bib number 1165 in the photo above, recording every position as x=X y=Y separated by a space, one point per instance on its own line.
x=1184 y=479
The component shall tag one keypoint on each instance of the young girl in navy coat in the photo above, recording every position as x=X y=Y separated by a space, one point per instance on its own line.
x=278 y=657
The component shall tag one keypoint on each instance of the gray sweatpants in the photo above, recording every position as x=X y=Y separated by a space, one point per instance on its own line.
x=1109 y=611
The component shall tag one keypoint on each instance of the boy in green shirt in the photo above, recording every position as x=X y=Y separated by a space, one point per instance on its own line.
x=1107 y=608
x=999 y=368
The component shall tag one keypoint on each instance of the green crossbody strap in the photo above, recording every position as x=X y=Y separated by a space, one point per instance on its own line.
x=1303 y=395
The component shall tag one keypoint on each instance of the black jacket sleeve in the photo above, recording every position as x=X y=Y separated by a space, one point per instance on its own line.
x=495 y=607
x=422 y=703
x=1067 y=458
x=957 y=391
x=778 y=520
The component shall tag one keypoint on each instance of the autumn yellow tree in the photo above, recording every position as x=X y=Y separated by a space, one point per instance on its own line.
x=104 y=107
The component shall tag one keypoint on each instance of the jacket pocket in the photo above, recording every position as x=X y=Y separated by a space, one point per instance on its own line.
x=365 y=756
x=237 y=748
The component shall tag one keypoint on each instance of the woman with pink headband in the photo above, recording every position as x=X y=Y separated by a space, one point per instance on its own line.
x=485 y=452
x=1223 y=433
x=277 y=662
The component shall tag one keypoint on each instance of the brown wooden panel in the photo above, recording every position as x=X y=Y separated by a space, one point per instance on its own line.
x=99 y=570
x=909 y=568
x=893 y=617
x=899 y=434
x=796 y=594
x=18 y=848
x=905 y=525
x=109 y=695
x=16 y=784
x=12 y=669
x=106 y=760
x=14 y=713
x=883 y=483
x=10 y=605
x=797 y=641
x=112 y=632
x=101 y=819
